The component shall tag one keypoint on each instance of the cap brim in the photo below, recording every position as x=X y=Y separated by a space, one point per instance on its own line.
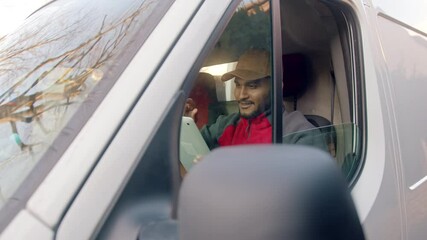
x=243 y=74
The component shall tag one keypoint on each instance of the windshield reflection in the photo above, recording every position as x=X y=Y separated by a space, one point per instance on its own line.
x=49 y=67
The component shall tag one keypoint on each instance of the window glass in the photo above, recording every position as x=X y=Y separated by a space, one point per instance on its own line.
x=231 y=98
x=340 y=140
x=52 y=67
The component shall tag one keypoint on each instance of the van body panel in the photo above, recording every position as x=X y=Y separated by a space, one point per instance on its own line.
x=376 y=193
x=408 y=81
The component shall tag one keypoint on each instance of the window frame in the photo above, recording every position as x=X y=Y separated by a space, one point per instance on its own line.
x=351 y=39
x=277 y=111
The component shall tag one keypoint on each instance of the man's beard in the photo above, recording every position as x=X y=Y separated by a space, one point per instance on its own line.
x=253 y=114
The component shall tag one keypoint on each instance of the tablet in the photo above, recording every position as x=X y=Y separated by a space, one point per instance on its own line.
x=192 y=146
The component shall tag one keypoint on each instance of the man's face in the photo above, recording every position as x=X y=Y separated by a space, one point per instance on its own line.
x=253 y=96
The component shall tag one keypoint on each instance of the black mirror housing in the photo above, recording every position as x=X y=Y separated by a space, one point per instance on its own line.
x=267 y=192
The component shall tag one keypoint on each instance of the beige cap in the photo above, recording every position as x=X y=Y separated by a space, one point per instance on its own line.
x=253 y=64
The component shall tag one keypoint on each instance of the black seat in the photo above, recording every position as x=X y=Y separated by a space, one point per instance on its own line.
x=318 y=121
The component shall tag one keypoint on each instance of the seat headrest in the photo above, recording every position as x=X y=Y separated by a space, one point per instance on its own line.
x=296 y=74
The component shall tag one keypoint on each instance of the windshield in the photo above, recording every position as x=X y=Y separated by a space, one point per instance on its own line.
x=59 y=64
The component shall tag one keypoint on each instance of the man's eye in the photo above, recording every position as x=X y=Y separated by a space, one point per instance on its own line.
x=253 y=85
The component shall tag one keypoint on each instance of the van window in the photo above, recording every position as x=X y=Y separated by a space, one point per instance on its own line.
x=232 y=92
x=321 y=97
x=56 y=68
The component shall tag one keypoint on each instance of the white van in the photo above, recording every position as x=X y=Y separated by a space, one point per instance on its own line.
x=93 y=92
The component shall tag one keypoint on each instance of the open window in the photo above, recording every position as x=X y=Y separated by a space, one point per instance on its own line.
x=230 y=100
x=322 y=84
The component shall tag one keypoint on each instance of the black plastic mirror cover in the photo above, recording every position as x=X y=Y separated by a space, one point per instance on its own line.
x=266 y=192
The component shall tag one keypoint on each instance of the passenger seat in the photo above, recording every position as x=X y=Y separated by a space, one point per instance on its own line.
x=296 y=79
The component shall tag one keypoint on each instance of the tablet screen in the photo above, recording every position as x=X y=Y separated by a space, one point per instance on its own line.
x=192 y=145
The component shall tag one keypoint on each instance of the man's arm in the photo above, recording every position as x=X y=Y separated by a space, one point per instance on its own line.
x=211 y=133
x=208 y=136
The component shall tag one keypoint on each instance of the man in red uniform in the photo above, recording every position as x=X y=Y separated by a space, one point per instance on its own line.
x=252 y=124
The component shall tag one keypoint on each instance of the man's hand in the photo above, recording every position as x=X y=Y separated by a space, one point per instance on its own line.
x=190 y=109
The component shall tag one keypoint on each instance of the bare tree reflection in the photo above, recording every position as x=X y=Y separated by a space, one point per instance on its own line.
x=25 y=97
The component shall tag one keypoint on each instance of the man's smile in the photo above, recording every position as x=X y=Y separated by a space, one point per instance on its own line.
x=245 y=104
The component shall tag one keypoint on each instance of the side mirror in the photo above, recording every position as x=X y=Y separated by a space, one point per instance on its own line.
x=267 y=192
